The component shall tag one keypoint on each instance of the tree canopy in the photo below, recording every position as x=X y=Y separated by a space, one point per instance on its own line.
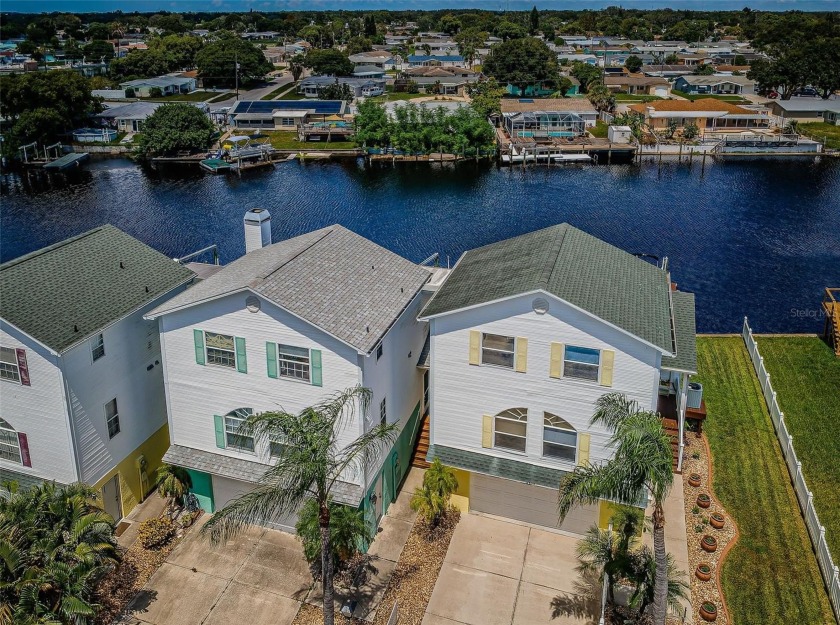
x=522 y=63
x=176 y=127
x=328 y=62
x=217 y=62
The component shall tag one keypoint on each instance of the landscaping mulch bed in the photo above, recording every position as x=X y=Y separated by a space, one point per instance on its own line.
x=417 y=571
x=697 y=518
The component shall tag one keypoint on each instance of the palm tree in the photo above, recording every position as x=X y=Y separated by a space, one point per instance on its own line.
x=644 y=577
x=431 y=499
x=310 y=461
x=642 y=462
x=55 y=544
x=173 y=482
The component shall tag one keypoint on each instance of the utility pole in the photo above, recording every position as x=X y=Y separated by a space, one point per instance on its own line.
x=236 y=72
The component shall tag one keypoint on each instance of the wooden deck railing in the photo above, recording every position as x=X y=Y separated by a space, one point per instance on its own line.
x=830 y=572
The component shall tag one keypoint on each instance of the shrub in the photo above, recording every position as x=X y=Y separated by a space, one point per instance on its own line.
x=155 y=92
x=156 y=533
x=431 y=500
x=130 y=93
x=348 y=531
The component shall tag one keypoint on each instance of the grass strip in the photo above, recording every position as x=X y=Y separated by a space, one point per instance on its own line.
x=805 y=374
x=770 y=577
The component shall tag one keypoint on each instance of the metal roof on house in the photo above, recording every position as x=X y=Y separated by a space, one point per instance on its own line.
x=574 y=105
x=141 y=110
x=807 y=104
x=160 y=81
x=685 y=334
x=64 y=293
x=245 y=470
x=576 y=267
x=420 y=58
x=319 y=107
x=338 y=281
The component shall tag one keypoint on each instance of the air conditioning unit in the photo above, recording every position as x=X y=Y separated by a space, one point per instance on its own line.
x=694 y=397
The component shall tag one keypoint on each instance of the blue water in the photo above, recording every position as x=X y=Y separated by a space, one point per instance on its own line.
x=758 y=238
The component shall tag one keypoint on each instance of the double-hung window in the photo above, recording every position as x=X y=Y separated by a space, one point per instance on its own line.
x=293 y=362
x=9 y=443
x=220 y=349
x=559 y=438
x=276 y=448
x=233 y=437
x=112 y=418
x=9 y=369
x=97 y=347
x=383 y=412
x=510 y=428
x=581 y=363
x=497 y=350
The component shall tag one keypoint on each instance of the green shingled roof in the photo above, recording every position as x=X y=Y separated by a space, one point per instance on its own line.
x=66 y=292
x=686 y=334
x=580 y=269
x=497 y=467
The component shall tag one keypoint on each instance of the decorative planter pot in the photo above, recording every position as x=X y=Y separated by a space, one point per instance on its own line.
x=703 y=500
x=709 y=543
x=717 y=520
x=694 y=479
x=703 y=572
x=708 y=611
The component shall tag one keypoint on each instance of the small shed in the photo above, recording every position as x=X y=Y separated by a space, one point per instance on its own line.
x=619 y=134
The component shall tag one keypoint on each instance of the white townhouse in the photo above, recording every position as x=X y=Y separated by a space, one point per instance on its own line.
x=525 y=335
x=81 y=383
x=283 y=327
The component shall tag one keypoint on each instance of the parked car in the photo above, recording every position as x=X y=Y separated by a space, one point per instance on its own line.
x=806 y=92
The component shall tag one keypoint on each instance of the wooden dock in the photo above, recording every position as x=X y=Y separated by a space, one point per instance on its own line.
x=74 y=159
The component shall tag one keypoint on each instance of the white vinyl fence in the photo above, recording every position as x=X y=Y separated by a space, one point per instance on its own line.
x=806 y=499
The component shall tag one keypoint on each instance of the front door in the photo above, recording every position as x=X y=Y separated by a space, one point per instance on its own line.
x=378 y=505
x=111 y=499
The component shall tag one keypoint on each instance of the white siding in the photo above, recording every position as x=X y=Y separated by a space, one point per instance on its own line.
x=132 y=345
x=463 y=393
x=195 y=393
x=39 y=411
x=395 y=375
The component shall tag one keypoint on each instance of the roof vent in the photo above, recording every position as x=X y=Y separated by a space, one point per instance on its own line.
x=75 y=328
x=147 y=289
x=122 y=266
x=540 y=305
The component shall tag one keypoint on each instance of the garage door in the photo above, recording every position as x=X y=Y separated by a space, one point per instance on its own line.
x=523 y=502
x=662 y=92
x=224 y=490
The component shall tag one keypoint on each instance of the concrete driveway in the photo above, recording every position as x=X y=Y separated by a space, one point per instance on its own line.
x=499 y=572
x=261 y=573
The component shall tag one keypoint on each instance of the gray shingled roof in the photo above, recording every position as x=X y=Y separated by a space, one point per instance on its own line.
x=686 y=334
x=583 y=270
x=245 y=470
x=66 y=292
x=333 y=278
x=497 y=467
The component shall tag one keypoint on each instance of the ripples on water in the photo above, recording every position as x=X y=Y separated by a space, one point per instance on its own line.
x=753 y=237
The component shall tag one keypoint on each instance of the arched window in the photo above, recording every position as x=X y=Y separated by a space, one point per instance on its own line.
x=9 y=443
x=510 y=428
x=559 y=438
x=233 y=420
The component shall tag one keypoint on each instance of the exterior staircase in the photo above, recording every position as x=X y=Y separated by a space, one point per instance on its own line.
x=672 y=429
x=421 y=446
x=831 y=308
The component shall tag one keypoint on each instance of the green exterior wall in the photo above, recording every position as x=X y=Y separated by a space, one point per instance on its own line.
x=202 y=488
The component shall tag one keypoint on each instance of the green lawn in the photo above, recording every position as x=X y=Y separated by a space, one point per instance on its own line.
x=806 y=377
x=599 y=130
x=289 y=141
x=735 y=99
x=193 y=96
x=292 y=92
x=392 y=96
x=770 y=577
x=822 y=131
x=222 y=96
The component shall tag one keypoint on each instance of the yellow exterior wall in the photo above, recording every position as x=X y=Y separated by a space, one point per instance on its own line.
x=605 y=511
x=130 y=489
x=461 y=498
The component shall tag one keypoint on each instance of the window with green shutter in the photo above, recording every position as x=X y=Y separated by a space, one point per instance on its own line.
x=241 y=356
x=219 y=422
x=315 y=359
x=271 y=359
x=198 y=339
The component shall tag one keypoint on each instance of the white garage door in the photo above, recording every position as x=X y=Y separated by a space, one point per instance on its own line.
x=662 y=92
x=225 y=489
x=523 y=502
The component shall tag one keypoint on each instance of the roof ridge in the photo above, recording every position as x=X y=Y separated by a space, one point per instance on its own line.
x=552 y=267
x=264 y=275
x=34 y=254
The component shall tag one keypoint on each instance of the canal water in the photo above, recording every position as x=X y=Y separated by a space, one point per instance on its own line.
x=749 y=237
